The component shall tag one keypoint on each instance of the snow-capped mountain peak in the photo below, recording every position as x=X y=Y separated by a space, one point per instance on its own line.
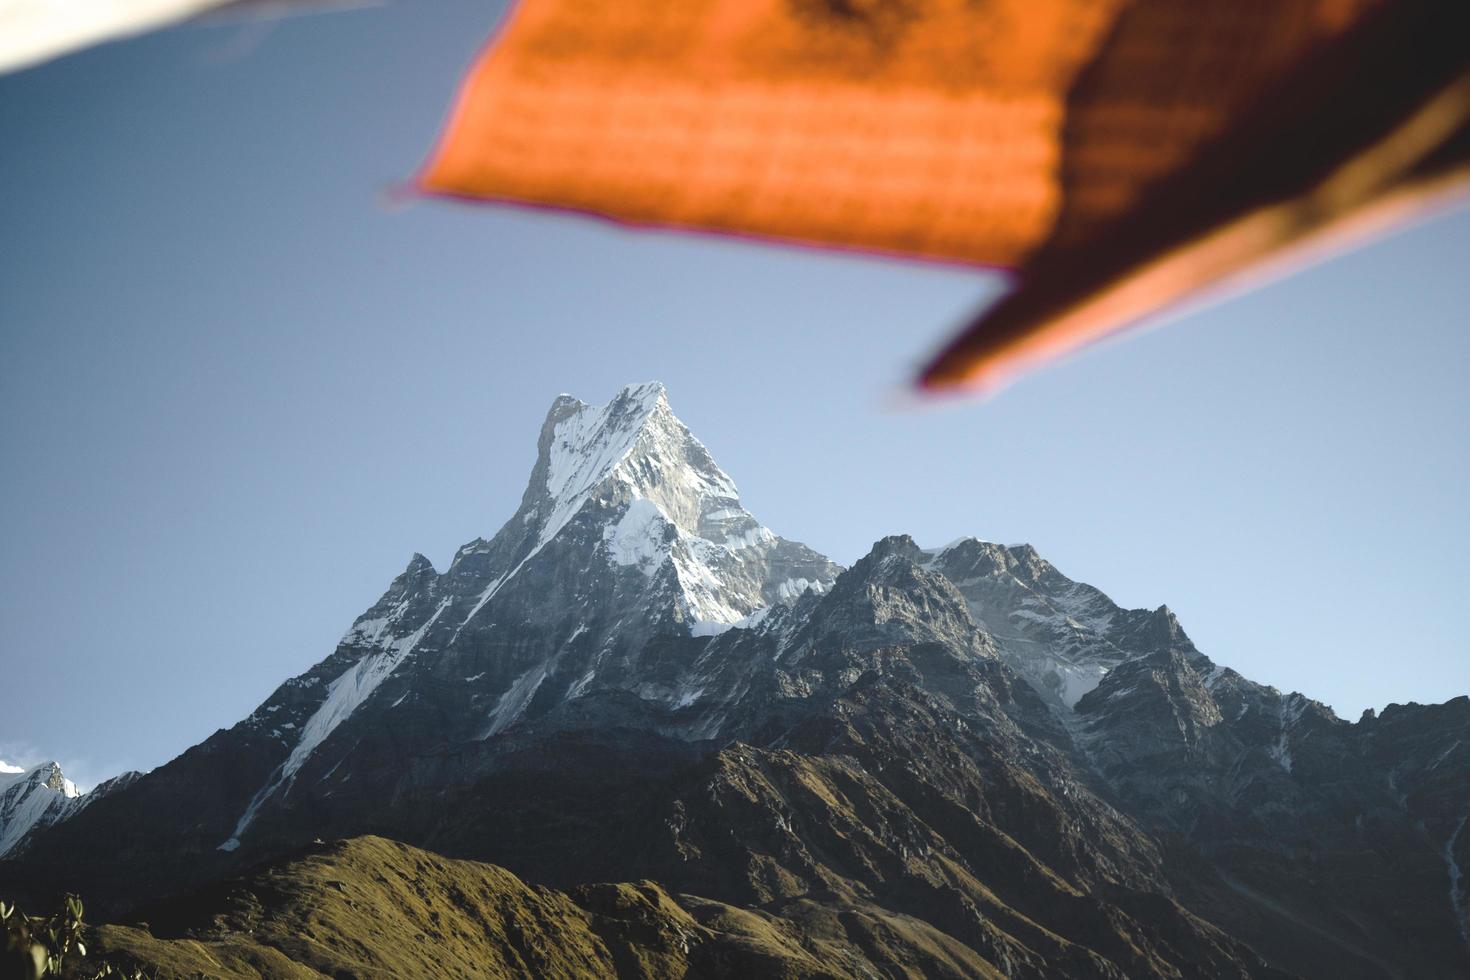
x=630 y=481
x=635 y=446
x=627 y=530
x=32 y=799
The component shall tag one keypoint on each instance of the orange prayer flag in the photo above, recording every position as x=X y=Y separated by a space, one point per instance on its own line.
x=1119 y=155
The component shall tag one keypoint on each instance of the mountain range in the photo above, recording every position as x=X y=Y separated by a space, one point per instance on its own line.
x=637 y=733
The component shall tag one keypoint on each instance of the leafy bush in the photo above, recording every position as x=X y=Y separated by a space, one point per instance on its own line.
x=38 y=946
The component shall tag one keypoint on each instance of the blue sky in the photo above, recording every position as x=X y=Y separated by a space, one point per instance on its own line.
x=238 y=389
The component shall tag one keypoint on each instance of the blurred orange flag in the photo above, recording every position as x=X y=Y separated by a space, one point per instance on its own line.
x=1120 y=156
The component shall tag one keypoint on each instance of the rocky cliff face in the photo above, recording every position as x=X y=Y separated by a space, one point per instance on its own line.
x=1062 y=636
x=634 y=679
x=1299 y=813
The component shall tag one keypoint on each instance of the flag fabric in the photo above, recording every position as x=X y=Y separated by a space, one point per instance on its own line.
x=1119 y=156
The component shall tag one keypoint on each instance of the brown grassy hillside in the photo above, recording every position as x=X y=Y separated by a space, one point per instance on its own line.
x=370 y=907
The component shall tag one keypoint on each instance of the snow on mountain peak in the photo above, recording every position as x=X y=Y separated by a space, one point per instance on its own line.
x=33 y=798
x=666 y=500
x=626 y=519
x=637 y=444
x=589 y=441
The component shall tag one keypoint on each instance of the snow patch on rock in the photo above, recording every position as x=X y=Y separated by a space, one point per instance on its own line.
x=345 y=694
x=639 y=538
x=1458 y=904
x=515 y=700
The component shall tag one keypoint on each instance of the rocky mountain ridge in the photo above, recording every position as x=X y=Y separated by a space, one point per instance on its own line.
x=634 y=679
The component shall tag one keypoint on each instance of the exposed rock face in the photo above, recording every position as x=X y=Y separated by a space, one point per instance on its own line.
x=955 y=759
x=1298 y=812
x=1062 y=636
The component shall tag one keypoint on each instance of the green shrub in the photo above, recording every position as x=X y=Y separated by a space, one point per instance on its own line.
x=38 y=946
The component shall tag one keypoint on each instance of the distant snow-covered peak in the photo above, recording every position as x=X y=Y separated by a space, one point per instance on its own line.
x=49 y=774
x=33 y=798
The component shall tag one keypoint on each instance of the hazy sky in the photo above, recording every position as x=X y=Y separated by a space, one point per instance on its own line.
x=238 y=391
